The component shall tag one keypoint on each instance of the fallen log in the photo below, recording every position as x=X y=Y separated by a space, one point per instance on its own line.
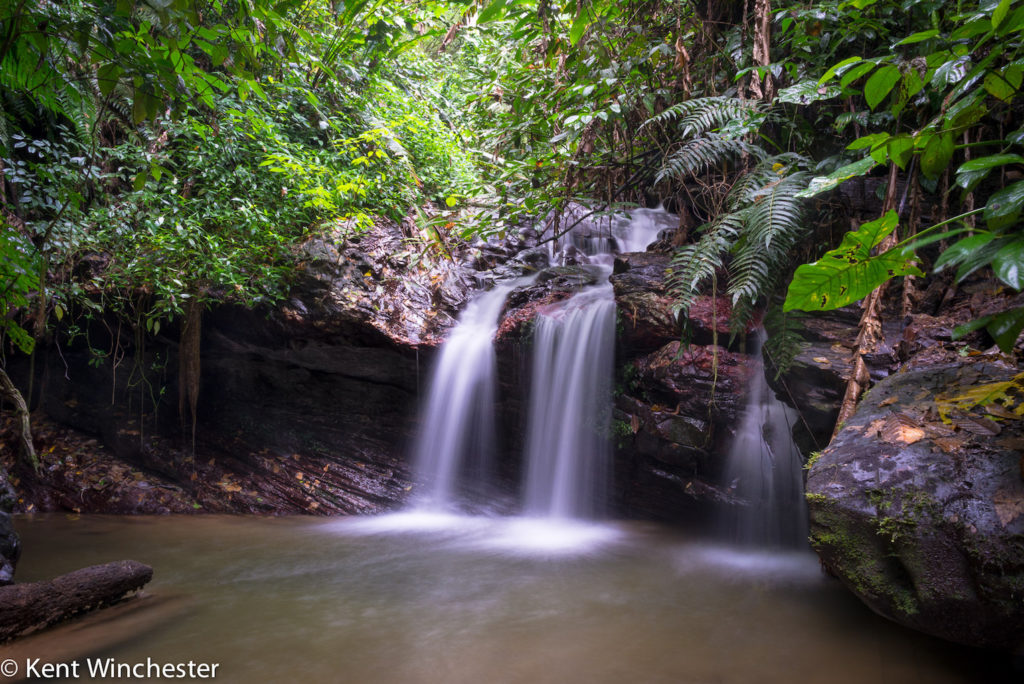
x=28 y=607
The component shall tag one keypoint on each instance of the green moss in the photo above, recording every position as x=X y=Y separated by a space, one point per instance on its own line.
x=818 y=499
x=899 y=511
x=812 y=459
x=863 y=571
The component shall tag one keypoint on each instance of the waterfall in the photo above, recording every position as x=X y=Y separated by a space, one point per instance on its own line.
x=457 y=422
x=765 y=467
x=567 y=446
x=567 y=442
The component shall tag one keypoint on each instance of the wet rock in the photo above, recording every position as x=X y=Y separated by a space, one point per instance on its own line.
x=816 y=377
x=552 y=285
x=698 y=381
x=675 y=410
x=647 y=318
x=375 y=278
x=10 y=546
x=918 y=504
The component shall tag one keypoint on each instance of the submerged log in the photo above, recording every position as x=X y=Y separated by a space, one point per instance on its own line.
x=28 y=607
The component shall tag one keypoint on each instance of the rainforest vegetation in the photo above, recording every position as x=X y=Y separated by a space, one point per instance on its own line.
x=157 y=156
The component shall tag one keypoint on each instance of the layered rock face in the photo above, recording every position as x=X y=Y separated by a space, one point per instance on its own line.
x=311 y=406
x=307 y=407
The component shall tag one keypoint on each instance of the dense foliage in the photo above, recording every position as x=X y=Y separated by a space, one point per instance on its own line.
x=157 y=153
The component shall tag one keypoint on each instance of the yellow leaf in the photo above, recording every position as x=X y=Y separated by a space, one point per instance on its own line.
x=1008 y=394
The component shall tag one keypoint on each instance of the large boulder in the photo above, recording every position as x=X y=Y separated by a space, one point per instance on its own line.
x=918 y=504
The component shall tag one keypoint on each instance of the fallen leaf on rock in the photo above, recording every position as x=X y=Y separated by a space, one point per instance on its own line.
x=875 y=427
x=934 y=430
x=888 y=402
x=1007 y=393
x=1000 y=411
x=634 y=423
x=822 y=360
x=1009 y=506
x=976 y=426
x=949 y=444
x=1012 y=443
x=898 y=429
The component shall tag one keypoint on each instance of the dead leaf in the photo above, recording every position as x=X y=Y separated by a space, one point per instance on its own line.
x=898 y=429
x=976 y=426
x=634 y=423
x=875 y=428
x=1009 y=506
x=949 y=445
x=1000 y=411
x=887 y=402
x=822 y=360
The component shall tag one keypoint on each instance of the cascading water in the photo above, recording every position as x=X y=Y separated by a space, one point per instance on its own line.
x=570 y=405
x=457 y=423
x=765 y=466
x=630 y=230
x=567 y=449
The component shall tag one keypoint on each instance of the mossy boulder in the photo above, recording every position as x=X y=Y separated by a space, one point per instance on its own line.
x=918 y=504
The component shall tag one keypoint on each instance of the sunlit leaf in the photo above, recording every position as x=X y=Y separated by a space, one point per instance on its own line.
x=850 y=272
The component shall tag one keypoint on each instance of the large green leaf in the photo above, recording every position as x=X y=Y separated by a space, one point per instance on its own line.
x=820 y=184
x=1004 y=207
x=850 y=272
x=1000 y=13
x=1008 y=264
x=881 y=84
x=937 y=154
x=961 y=249
x=990 y=161
x=1005 y=328
x=835 y=68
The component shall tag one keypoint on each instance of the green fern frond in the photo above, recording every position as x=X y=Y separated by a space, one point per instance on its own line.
x=692 y=265
x=704 y=152
x=773 y=227
x=704 y=114
x=785 y=338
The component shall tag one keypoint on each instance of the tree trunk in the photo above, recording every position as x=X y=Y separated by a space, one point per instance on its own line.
x=870 y=324
x=7 y=388
x=762 y=88
x=32 y=606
